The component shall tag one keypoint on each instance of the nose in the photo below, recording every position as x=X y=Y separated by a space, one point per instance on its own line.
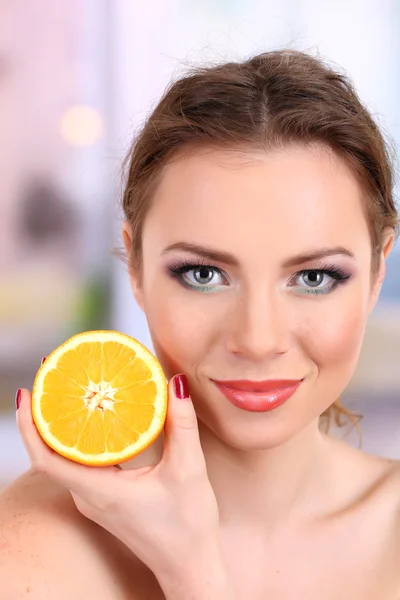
x=260 y=325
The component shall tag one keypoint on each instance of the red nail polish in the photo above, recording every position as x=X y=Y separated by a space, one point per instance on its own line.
x=43 y=359
x=181 y=386
x=18 y=398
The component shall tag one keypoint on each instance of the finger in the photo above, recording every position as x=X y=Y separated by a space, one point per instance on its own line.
x=76 y=477
x=182 y=448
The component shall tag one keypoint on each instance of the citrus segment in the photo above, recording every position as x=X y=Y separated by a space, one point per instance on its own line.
x=56 y=407
x=143 y=392
x=92 y=439
x=68 y=429
x=100 y=398
x=72 y=368
x=125 y=413
x=117 y=434
x=136 y=371
x=117 y=359
x=91 y=354
x=56 y=380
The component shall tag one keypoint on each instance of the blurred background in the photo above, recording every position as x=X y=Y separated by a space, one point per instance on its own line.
x=76 y=80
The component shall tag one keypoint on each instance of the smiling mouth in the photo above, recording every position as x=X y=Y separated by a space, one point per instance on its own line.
x=259 y=401
x=268 y=385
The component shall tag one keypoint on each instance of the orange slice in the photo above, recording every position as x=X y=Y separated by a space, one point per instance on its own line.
x=100 y=398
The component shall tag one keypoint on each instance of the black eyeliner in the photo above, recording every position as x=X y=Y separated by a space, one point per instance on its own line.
x=181 y=267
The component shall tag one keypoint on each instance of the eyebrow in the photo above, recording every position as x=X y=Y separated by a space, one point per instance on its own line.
x=229 y=259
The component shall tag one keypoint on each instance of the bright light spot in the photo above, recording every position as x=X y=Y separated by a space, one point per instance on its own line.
x=81 y=125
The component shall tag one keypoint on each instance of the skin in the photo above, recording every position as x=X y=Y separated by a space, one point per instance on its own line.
x=300 y=512
x=253 y=325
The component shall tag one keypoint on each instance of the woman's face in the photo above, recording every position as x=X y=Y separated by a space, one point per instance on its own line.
x=256 y=315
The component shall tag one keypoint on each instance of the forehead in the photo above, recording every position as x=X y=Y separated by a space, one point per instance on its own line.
x=296 y=197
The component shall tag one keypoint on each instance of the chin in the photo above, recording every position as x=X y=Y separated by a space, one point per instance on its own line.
x=257 y=435
x=247 y=430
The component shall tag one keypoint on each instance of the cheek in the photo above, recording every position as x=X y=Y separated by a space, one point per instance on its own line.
x=180 y=333
x=335 y=334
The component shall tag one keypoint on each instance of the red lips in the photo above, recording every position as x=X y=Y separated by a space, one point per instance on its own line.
x=258 y=386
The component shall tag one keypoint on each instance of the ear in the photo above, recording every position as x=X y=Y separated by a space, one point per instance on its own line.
x=388 y=235
x=133 y=276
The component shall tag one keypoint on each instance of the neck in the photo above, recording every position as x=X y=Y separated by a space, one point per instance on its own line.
x=267 y=486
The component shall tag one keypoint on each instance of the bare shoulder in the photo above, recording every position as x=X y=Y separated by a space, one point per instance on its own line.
x=367 y=504
x=388 y=483
x=368 y=482
x=378 y=479
x=49 y=550
x=392 y=490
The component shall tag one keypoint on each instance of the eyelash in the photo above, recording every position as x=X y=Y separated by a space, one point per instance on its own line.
x=178 y=269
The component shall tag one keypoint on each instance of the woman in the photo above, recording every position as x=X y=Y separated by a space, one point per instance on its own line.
x=258 y=218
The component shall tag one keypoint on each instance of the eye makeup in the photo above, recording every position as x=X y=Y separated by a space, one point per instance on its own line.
x=336 y=276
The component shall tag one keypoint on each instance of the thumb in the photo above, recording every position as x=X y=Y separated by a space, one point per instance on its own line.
x=182 y=448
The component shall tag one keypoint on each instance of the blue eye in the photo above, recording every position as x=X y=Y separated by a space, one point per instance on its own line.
x=203 y=275
x=313 y=278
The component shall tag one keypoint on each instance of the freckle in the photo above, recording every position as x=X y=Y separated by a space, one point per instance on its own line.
x=278 y=571
x=28 y=589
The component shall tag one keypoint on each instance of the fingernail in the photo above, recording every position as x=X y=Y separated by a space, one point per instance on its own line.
x=18 y=398
x=43 y=359
x=181 y=386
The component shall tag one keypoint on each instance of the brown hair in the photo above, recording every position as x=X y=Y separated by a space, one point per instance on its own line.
x=271 y=100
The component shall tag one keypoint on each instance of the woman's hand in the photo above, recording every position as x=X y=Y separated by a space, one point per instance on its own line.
x=166 y=514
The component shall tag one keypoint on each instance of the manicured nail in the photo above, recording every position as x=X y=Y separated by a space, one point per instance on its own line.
x=43 y=359
x=18 y=398
x=181 y=386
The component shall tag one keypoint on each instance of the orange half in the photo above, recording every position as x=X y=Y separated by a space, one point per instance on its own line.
x=100 y=398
